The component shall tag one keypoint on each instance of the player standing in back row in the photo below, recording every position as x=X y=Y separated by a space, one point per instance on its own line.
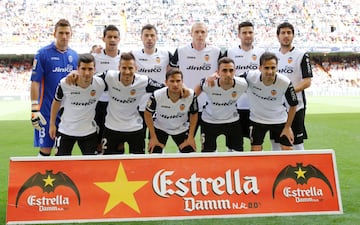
x=246 y=57
x=295 y=64
x=107 y=59
x=150 y=61
x=197 y=60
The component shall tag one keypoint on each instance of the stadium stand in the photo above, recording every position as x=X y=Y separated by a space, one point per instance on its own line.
x=27 y=25
x=326 y=26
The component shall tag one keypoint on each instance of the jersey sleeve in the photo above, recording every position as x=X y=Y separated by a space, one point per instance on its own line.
x=59 y=94
x=290 y=95
x=202 y=83
x=174 y=59
x=306 y=66
x=102 y=76
x=37 y=68
x=153 y=85
x=151 y=104
x=194 y=107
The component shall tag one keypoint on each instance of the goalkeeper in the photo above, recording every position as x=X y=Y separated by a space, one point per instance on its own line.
x=51 y=63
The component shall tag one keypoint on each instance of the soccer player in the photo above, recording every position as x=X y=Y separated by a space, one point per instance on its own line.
x=77 y=118
x=197 y=59
x=123 y=122
x=174 y=115
x=220 y=115
x=246 y=57
x=295 y=64
x=150 y=61
x=51 y=63
x=107 y=59
x=266 y=92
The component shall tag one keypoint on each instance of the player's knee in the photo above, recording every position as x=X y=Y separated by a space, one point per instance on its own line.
x=256 y=147
x=285 y=147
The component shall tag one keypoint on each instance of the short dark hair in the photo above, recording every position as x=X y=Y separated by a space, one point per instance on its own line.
x=126 y=56
x=284 y=25
x=86 y=58
x=62 y=23
x=110 y=28
x=148 y=27
x=173 y=71
x=225 y=60
x=245 y=24
x=266 y=56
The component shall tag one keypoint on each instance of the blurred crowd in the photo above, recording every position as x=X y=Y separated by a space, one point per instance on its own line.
x=335 y=76
x=29 y=24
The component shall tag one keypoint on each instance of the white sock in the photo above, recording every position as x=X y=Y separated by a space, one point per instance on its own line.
x=299 y=146
x=275 y=146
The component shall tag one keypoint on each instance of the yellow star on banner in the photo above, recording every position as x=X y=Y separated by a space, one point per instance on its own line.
x=121 y=190
x=300 y=173
x=48 y=181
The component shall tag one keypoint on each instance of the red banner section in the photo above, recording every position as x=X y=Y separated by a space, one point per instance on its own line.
x=172 y=186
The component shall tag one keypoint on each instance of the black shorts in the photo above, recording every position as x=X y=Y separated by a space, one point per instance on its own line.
x=244 y=121
x=65 y=143
x=112 y=141
x=162 y=137
x=258 y=132
x=298 y=128
x=232 y=132
x=100 y=114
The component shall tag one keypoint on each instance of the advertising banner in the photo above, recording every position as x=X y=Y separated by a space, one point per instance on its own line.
x=172 y=186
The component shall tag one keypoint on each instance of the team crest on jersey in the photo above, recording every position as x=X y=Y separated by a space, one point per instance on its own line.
x=157 y=60
x=70 y=58
x=273 y=92
x=132 y=92
x=254 y=57
x=92 y=93
x=207 y=57
x=290 y=59
x=234 y=94
x=182 y=107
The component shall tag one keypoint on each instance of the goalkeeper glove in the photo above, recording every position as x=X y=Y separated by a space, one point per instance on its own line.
x=37 y=119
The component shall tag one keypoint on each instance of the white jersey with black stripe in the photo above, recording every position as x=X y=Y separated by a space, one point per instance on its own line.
x=196 y=65
x=295 y=64
x=79 y=105
x=104 y=62
x=122 y=111
x=220 y=105
x=154 y=66
x=267 y=102
x=172 y=117
x=244 y=61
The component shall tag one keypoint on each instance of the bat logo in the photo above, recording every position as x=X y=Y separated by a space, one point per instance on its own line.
x=301 y=174
x=48 y=183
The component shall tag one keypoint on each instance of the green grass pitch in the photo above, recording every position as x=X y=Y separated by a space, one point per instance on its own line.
x=332 y=123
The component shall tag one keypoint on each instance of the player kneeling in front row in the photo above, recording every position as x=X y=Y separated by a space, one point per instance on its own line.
x=79 y=101
x=220 y=114
x=168 y=112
